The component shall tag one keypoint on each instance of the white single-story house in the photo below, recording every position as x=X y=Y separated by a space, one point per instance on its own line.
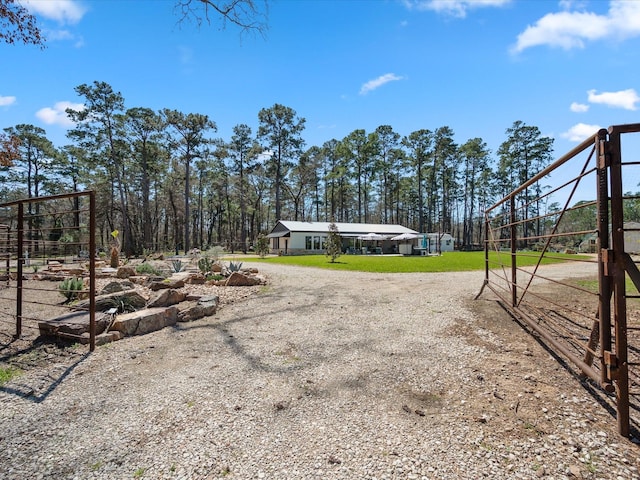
x=436 y=242
x=632 y=237
x=631 y=240
x=292 y=237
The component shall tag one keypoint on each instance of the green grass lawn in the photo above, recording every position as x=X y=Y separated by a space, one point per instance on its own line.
x=447 y=262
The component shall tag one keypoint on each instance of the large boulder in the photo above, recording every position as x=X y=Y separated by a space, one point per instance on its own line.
x=204 y=307
x=145 y=321
x=126 y=271
x=237 y=279
x=73 y=324
x=166 y=298
x=196 y=279
x=104 y=302
x=168 y=283
x=113 y=287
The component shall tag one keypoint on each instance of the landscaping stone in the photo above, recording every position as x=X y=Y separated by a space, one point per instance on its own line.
x=105 y=302
x=238 y=279
x=51 y=277
x=205 y=306
x=196 y=279
x=114 y=287
x=168 y=283
x=75 y=272
x=167 y=298
x=73 y=324
x=126 y=271
x=145 y=321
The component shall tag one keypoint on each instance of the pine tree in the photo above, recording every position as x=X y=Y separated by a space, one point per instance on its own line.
x=334 y=242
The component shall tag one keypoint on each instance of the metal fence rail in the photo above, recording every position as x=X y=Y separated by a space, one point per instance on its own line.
x=38 y=237
x=586 y=308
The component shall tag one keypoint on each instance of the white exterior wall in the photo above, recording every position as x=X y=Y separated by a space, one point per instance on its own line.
x=297 y=243
x=297 y=240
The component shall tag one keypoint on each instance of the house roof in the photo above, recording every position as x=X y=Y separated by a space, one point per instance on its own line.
x=284 y=227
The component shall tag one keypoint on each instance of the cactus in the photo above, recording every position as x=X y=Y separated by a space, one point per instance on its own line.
x=71 y=287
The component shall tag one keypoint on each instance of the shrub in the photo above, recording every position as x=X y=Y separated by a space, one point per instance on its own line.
x=146 y=269
x=216 y=252
x=262 y=245
x=71 y=287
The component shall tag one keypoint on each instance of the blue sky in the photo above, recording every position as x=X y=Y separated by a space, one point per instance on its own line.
x=567 y=67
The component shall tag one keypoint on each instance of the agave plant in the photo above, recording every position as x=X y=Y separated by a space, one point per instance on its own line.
x=177 y=266
x=235 y=267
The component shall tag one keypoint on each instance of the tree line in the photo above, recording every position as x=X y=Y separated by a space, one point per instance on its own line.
x=165 y=181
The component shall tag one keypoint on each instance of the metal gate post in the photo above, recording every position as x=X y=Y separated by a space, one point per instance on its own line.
x=92 y=271
x=604 y=280
x=486 y=248
x=19 y=270
x=616 y=361
x=514 y=263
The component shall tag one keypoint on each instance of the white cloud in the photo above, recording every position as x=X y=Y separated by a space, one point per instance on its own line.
x=62 y=11
x=6 y=101
x=456 y=8
x=626 y=99
x=579 y=107
x=378 y=82
x=571 y=29
x=572 y=4
x=58 y=115
x=580 y=132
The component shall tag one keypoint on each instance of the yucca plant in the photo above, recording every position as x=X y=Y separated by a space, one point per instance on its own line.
x=71 y=287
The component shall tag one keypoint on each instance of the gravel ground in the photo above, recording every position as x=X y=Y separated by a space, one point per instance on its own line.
x=323 y=375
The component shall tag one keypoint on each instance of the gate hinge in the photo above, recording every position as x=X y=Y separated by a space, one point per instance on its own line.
x=608 y=261
x=611 y=362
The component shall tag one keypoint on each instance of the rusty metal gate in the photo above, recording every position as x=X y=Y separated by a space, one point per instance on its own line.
x=45 y=238
x=579 y=292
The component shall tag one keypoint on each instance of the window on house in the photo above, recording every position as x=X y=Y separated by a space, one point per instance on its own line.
x=316 y=243
x=323 y=243
x=307 y=243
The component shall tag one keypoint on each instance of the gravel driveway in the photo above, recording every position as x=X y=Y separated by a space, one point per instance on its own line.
x=323 y=375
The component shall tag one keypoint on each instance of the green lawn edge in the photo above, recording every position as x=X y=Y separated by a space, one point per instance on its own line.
x=447 y=262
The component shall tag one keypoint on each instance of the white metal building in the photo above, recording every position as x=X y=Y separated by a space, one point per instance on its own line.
x=291 y=237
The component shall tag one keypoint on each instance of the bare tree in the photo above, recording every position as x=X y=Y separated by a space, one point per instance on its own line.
x=18 y=25
x=249 y=15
